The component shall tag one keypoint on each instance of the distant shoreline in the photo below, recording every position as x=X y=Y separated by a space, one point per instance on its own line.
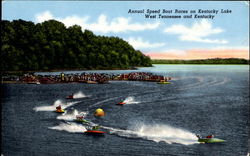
x=212 y=61
x=132 y=68
x=193 y=64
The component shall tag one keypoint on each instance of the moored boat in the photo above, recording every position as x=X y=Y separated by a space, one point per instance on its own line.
x=164 y=82
x=92 y=82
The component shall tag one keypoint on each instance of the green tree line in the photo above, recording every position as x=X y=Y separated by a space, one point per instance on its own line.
x=50 y=45
x=204 y=61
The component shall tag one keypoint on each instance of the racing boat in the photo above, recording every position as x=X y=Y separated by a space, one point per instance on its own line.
x=70 y=97
x=94 y=131
x=209 y=139
x=121 y=103
x=80 y=118
x=59 y=109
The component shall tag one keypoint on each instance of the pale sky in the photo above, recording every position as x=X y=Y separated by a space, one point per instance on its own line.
x=224 y=36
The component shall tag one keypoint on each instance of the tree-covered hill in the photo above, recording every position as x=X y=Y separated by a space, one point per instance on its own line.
x=50 y=45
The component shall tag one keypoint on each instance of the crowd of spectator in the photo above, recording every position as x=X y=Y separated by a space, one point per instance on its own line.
x=90 y=78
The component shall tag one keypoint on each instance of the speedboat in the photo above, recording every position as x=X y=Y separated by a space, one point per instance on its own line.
x=209 y=139
x=94 y=131
x=121 y=103
x=70 y=97
x=60 y=110
x=80 y=119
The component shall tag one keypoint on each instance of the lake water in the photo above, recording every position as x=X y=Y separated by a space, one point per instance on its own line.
x=157 y=119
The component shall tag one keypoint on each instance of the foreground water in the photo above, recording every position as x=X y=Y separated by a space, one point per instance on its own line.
x=157 y=120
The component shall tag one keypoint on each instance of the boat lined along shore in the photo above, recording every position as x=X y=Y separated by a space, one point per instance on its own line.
x=164 y=82
x=89 y=78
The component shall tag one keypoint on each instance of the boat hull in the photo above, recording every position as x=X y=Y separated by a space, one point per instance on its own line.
x=94 y=132
x=164 y=83
x=121 y=103
x=60 y=111
x=81 y=120
x=70 y=97
x=210 y=140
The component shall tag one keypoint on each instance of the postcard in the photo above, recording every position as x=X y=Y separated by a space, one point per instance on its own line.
x=125 y=78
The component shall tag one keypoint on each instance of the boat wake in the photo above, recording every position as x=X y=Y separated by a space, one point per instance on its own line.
x=157 y=133
x=71 y=116
x=103 y=101
x=53 y=107
x=205 y=82
x=200 y=81
x=70 y=127
x=79 y=95
x=130 y=100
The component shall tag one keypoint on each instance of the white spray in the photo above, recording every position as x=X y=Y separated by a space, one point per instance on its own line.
x=157 y=133
x=53 y=107
x=79 y=95
x=130 y=100
x=70 y=127
x=71 y=116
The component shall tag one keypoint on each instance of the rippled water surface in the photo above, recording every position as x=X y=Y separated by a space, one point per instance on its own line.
x=157 y=119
